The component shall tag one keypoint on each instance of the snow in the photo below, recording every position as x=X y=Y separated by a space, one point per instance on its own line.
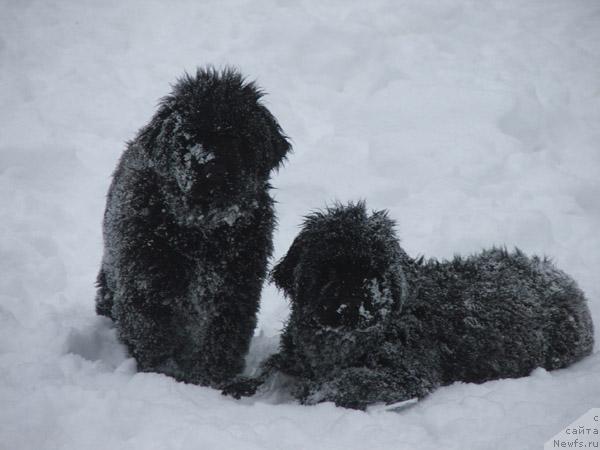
x=476 y=123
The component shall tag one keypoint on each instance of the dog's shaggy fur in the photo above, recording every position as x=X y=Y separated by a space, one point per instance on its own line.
x=369 y=324
x=188 y=229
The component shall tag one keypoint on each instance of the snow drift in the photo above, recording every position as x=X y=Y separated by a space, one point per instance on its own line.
x=475 y=123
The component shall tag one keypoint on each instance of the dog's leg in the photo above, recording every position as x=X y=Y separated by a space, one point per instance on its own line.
x=230 y=329
x=243 y=386
x=228 y=332
x=569 y=331
x=359 y=387
x=146 y=334
x=104 y=296
x=149 y=274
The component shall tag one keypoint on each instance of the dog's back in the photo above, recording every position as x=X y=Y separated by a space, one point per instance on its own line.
x=501 y=314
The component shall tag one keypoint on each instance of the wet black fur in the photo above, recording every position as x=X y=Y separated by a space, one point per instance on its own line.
x=370 y=324
x=188 y=229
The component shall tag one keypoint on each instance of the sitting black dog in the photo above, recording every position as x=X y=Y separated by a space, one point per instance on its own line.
x=188 y=229
x=369 y=324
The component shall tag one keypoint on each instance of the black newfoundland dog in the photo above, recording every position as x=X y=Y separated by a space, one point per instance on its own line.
x=188 y=229
x=370 y=324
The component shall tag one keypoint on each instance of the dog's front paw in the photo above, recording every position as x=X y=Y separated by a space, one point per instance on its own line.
x=242 y=387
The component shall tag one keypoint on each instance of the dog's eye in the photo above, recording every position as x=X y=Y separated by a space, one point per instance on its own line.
x=224 y=140
x=351 y=266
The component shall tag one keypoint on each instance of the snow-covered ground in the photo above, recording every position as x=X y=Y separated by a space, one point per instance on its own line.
x=475 y=122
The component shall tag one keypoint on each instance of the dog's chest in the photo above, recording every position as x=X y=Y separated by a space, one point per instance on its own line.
x=324 y=350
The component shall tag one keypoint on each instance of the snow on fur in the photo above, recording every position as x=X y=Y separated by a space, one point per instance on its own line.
x=188 y=229
x=474 y=123
x=370 y=324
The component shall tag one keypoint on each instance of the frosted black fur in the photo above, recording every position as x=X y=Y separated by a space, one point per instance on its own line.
x=370 y=324
x=188 y=229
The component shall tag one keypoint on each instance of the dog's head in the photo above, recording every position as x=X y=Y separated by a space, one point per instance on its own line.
x=213 y=134
x=344 y=268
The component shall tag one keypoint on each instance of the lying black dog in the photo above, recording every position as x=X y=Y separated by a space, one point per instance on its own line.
x=369 y=324
x=188 y=229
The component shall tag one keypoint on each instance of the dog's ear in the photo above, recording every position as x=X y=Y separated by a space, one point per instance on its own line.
x=279 y=145
x=149 y=134
x=283 y=272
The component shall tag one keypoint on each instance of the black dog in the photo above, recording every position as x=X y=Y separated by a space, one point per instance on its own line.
x=188 y=229
x=369 y=324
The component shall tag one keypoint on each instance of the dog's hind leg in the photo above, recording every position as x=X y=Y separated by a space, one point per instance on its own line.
x=570 y=332
x=146 y=333
x=104 y=296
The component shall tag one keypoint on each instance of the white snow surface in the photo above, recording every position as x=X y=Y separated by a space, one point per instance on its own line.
x=476 y=123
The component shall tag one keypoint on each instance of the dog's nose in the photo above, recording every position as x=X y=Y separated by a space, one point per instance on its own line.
x=341 y=306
